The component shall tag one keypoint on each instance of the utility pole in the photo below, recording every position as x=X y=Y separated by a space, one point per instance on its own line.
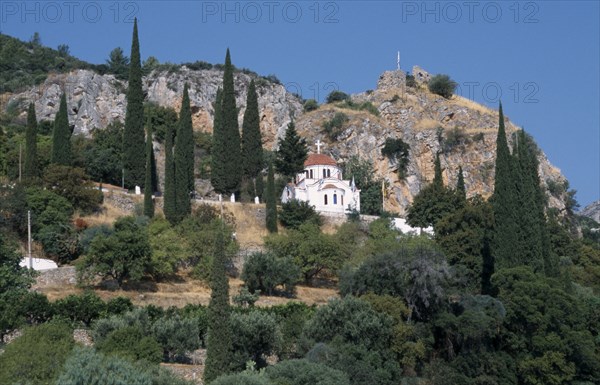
x=20 y=156
x=29 y=238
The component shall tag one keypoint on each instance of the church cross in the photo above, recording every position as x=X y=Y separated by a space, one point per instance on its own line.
x=319 y=144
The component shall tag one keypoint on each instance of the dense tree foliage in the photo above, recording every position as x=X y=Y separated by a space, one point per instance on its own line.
x=311 y=250
x=264 y=272
x=123 y=255
x=294 y=213
x=37 y=356
x=442 y=85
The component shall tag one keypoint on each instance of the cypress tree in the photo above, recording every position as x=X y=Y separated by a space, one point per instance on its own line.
x=533 y=247
x=252 y=151
x=217 y=169
x=504 y=203
x=148 y=190
x=133 y=137
x=219 y=340
x=460 y=185
x=169 y=204
x=271 y=202
x=31 y=163
x=232 y=162
x=184 y=158
x=292 y=153
x=61 y=136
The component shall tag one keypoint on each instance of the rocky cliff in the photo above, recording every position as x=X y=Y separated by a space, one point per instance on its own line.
x=96 y=100
x=463 y=131
x=592 y=211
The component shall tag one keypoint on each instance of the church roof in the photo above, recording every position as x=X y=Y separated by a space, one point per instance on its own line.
x=318 y=160
x=328 y=186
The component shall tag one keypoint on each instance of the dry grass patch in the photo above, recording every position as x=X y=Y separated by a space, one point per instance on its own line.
x=464 y=102
x=185 y=290
x=427 y=124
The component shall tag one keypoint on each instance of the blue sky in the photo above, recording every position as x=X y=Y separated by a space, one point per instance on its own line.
x=542 y=56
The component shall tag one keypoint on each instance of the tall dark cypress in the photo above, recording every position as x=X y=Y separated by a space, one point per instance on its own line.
x=169 y=204
x=461 y=190
x=232 y=162
x=504 y=203
x=133 y=137
x=217 y=166
x=219 y=340
x=271 y=202
x=61 y=136
x=184 y=158
x=148 y=190
x=292 y=152
x=533 y=247
x=30 y=171
x=252 y=151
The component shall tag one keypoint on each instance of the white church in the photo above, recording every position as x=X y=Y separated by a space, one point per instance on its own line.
x=322 y=186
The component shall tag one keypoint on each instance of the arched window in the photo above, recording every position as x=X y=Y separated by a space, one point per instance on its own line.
x=328 y=173
x=311 y=174
x=335 y=199
x=325 y=199
x=324 y=173
x=342 y=198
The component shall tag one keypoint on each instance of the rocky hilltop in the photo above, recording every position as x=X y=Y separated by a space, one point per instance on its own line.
x=462 y=130
x=592 y=211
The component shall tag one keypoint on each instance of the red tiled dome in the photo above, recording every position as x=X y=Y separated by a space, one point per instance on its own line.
x=319 y=160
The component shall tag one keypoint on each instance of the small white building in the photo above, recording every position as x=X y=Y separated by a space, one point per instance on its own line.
x=322 y=186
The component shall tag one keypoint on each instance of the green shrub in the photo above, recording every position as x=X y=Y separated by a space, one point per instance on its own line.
x=454 y=137
x=337 y=96
x=86 y=237
x=365 y=106
x=416 y=272
x=138 y=318
x=310 y=105
x=37 y=356
x=35 y=308
x=410 y=81
x=442 y=85
x=83 y=308
x=177 y=336
x=264 y=272
x=334 y=127
x=304 y=372
x=86 y=366
x=118 y=305
x=256 y=337
x=294 y=213
x=123 y=255
x=396 y=150
x=245 y=298
x=73 y=184
x=131 y=343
